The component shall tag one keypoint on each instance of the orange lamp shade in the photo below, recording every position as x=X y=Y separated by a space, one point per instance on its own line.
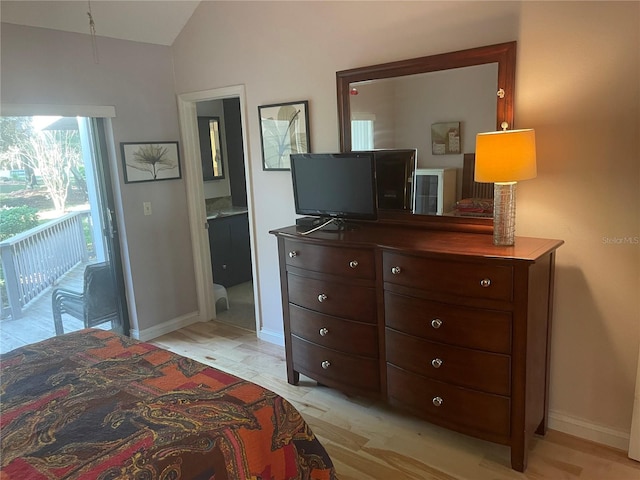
x=507 y=156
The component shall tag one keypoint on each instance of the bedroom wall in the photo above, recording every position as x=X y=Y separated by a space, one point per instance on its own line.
x=41 y=66
x=577 y=85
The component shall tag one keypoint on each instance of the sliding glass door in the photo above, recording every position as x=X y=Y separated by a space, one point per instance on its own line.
x=61 y=263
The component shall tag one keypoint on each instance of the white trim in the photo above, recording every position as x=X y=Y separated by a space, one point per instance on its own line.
x=165 y=327
x=271 y=337
x=29 y=110
x=195 y=195
x=196 y=207
x=589 y=431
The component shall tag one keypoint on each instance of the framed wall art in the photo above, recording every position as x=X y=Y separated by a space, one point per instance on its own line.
x=445 y=138
x=284 y=129
x=150 y=162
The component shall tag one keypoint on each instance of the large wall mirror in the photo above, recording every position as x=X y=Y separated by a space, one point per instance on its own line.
x=437 y=105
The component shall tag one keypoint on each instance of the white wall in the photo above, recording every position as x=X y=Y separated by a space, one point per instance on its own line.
x=41 y=66
x=577 y=85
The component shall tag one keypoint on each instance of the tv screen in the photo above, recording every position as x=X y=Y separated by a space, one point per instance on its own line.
x=394 y=177
x=339 y=185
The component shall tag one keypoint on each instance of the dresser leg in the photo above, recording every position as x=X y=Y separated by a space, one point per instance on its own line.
x=542 y=428
x=293 y=377
x=519 y=456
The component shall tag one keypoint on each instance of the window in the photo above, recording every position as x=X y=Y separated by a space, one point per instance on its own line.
x=362 y=131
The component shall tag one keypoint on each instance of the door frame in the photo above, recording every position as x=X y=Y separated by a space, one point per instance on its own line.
x=195 y=196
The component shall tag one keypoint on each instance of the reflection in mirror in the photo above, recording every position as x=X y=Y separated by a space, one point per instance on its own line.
x=210 y=148
x=437 y=105
x=438 y=114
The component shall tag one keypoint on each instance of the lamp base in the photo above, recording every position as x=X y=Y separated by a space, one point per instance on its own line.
x=504 y=213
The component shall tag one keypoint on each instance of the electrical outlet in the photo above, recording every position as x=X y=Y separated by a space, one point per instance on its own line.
x=147 y=208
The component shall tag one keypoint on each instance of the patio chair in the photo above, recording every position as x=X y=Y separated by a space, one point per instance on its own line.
x=95 y=305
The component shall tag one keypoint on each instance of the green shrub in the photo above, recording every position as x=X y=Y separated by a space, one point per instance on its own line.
x=14 y=220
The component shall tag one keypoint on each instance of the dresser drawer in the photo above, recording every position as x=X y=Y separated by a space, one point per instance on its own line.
x=330 y=366
x=481 y=414
x=489 y=372
x=332 y=332
x=466 y=279
x=466 y=327
x=346 y=262
x=333 y=298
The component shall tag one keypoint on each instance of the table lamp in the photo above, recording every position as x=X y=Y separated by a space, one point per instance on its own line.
x=504 y=158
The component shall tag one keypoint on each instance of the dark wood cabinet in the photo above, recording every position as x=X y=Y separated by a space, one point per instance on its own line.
x=442 y=324
x=230 y=249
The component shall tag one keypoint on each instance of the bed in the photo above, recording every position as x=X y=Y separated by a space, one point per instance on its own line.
x=477 y=198
x=97 y=405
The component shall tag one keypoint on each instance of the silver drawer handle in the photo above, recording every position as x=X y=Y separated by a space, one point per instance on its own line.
x=485 y=282
x=323 y=331
x=436 y=323
x=293 y=253
x=322 y=297
x=353 y=263
x=437 y=362
x=396 y=270
x=437 y=401
x=326 y=364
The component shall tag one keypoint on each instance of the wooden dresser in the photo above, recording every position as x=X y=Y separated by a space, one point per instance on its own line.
x=442 y=324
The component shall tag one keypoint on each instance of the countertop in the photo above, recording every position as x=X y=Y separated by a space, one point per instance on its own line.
x=227 y=212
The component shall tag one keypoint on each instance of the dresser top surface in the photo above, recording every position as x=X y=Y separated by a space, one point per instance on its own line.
x=416 y=240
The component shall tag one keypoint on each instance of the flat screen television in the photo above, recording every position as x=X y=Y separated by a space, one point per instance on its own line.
x=335 y=185
x=394 y=177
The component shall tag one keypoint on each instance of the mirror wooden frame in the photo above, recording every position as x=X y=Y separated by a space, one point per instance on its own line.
x=504 y=54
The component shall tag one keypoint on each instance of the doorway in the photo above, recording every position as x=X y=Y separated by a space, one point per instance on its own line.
x=59 y=245
x=220 y=207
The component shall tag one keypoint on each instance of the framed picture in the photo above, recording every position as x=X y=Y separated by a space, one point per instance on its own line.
x=150 y=162
x=284 y=129
x=445 y=138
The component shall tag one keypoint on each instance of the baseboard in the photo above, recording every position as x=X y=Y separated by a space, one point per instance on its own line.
x=166 y=327
x=589 y=431
x=271 y=337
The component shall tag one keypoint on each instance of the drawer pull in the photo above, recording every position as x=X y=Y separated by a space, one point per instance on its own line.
x=353 y=263
x=326 y=364
x=322 y=297
x=436 y=323
x=485 y=282
x=396 y=270
x=293 y=254
x=437 y=362
x=323 y=331
x=437 y=401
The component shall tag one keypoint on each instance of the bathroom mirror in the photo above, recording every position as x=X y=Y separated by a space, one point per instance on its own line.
x=210 y=148
x=436 y=104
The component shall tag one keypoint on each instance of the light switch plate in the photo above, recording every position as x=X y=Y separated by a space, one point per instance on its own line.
x=147 y=208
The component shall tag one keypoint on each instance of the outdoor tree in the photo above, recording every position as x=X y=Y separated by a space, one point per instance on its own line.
x=53 y=153
x=14 y=134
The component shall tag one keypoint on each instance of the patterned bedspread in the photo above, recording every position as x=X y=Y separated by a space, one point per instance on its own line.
x=96 y=405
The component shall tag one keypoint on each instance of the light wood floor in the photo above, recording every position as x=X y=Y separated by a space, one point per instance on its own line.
x=368 y=440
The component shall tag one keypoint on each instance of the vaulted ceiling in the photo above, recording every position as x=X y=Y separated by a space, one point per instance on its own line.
x=148 y=21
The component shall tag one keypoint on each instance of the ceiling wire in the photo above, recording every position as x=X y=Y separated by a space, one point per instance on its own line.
x=92 y=31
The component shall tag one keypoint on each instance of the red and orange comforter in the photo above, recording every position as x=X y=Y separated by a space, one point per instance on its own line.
x=97 y=405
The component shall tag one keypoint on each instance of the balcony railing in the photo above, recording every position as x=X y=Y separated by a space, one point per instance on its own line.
x=35 y=259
